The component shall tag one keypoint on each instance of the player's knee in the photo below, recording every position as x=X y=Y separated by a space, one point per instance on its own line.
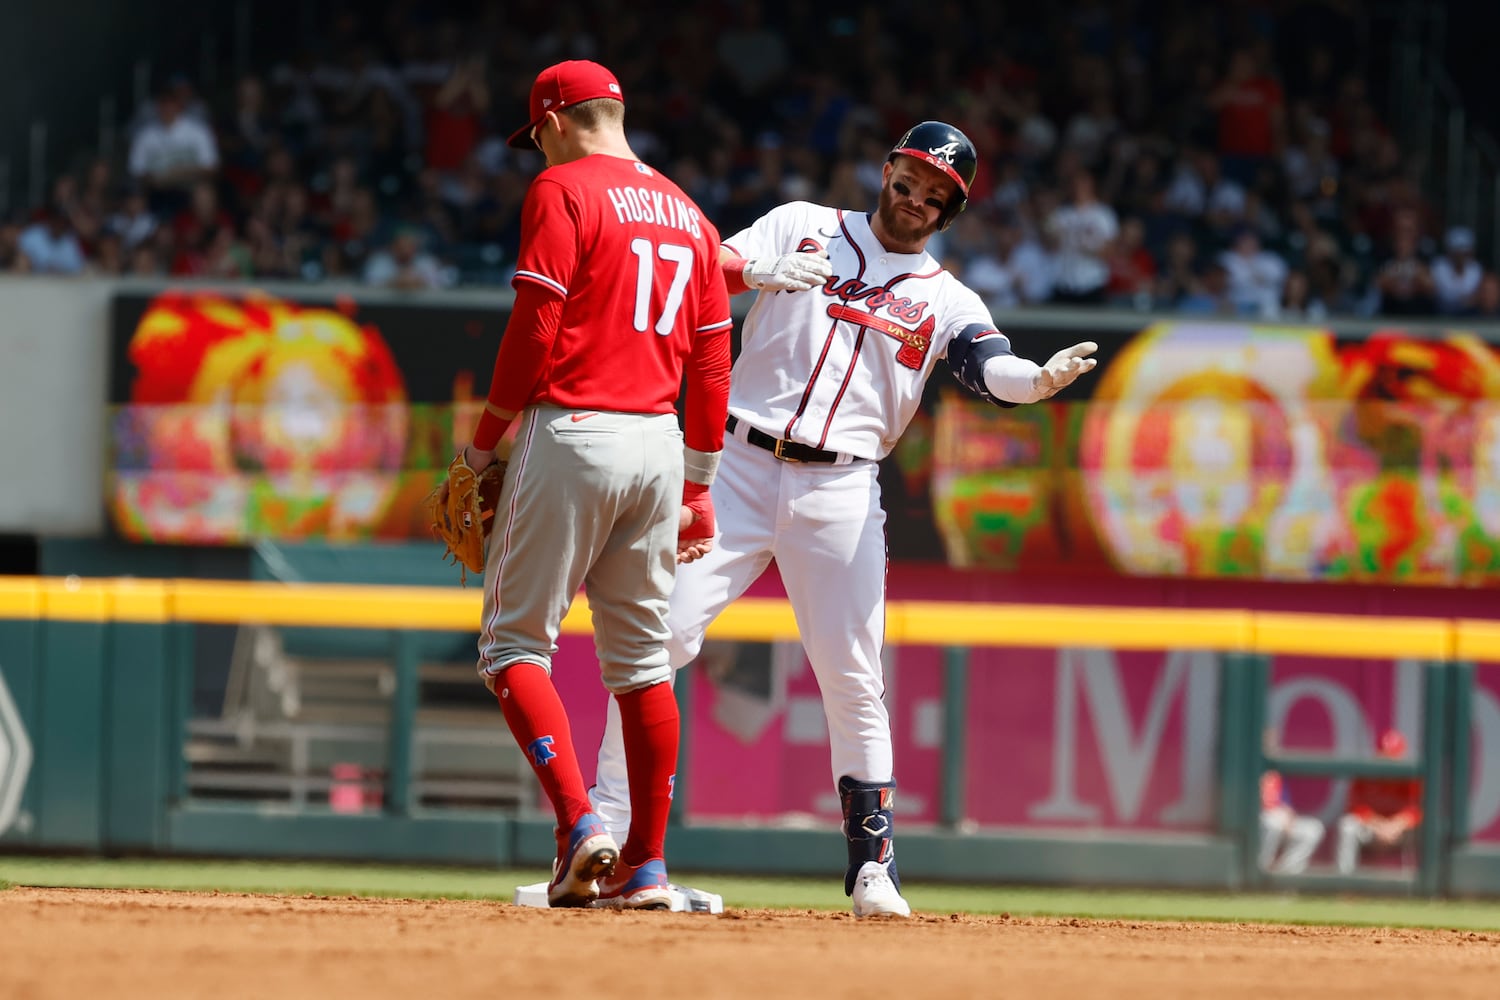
x=624 y=678
x=683 y=647
x=490 y=670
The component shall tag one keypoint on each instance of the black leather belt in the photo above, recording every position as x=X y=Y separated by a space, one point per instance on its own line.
x=787 y=451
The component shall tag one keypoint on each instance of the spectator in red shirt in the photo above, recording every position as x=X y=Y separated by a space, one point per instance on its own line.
x=1252 y=115
x=196 y=230
x=454 y=120
x=1132 y=269
x=1382 y=811
x=195 y=225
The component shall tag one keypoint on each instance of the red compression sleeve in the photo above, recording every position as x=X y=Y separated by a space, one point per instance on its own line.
x=707 y=403
x=697 y=498
x=734 y=275
x=525 y=349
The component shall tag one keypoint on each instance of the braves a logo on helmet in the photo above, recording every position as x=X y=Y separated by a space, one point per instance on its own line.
x=947 y=152
x=540 y=751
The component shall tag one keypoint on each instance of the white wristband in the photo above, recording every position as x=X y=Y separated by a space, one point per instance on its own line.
x=1011 y=378
x=700 y=466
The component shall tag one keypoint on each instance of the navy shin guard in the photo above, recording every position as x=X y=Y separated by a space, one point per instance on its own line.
x=868 y=826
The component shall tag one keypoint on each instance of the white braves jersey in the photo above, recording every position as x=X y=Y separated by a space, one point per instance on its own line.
x=842 y=367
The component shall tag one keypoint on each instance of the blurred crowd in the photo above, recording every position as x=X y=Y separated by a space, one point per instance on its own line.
x=1226 y=159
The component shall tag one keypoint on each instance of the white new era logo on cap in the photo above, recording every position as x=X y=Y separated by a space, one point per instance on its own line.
x=546 y=102
x=614 y=88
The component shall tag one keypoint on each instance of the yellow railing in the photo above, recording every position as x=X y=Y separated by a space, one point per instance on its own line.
x=929 y=623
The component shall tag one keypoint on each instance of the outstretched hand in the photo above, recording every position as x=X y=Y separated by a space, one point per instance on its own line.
x=1063 y=369
x=792 y=272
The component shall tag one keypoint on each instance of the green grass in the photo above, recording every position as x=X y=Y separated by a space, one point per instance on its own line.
x=299 y=878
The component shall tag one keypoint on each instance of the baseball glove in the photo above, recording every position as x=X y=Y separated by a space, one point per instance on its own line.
x=461 y=511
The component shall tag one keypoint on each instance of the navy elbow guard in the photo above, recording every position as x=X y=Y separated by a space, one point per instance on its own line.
x=967 y=354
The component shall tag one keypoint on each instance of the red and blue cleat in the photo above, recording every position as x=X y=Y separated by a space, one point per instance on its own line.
x=643 y=888
x=589 y=854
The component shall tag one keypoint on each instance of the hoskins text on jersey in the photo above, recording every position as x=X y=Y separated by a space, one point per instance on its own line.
x=644 y=205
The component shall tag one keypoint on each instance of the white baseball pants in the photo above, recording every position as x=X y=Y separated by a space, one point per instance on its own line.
x=1300 y=835
x=824 y=526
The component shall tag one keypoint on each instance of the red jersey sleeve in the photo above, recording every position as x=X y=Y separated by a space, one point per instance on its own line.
x=550 y=227
x=707 y=404
x=1371 y=797
x=1359 y=798
x=546 y=265
x=525 y=349
x=1411 y=801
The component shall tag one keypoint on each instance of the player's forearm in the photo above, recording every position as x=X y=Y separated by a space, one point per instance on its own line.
x=706 y=406
x=493 y=423
x=733 y=266
x=1011 y=378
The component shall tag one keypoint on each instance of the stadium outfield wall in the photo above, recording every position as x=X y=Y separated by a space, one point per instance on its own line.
x=97 y=740
x=1123 y=763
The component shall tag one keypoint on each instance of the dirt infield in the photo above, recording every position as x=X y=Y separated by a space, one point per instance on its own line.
x=152 y=945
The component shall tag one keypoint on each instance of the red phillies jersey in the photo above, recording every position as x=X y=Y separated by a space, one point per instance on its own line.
x=1386 y=797
x=637 y=265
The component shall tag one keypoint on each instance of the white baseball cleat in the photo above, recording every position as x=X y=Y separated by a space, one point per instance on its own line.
x=875 y=895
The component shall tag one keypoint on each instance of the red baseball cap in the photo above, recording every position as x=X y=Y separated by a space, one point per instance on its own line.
x=562 y=86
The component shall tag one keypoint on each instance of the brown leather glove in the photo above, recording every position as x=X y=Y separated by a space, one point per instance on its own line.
x=461 y=511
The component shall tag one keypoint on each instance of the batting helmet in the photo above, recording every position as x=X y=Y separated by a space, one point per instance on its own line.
x=945 y=147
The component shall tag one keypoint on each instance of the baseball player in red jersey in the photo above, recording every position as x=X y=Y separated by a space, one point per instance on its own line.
x=618 y=293
x=851 y=318
x=1380 y=811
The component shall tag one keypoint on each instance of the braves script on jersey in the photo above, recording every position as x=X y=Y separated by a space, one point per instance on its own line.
x=621 y=345
x=880 y=324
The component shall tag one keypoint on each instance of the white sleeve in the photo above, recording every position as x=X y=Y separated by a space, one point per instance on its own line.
x=139 y=154
x=208 y=149
x=772 y=234
x=379 y=269
x=1111 y=223
x=1011 y=378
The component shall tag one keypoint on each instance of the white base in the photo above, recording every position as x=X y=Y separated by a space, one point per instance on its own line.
x=684 y=898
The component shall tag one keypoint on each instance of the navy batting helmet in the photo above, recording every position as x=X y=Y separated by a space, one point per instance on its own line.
x=945 y=147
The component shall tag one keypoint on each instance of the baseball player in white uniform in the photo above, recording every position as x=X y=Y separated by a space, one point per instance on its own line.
x=851 y=318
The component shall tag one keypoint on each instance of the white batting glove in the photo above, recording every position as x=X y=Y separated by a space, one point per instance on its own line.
x=1063 y=369
x=791 y=272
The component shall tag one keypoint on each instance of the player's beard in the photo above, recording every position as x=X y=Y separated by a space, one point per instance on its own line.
x=901 y=225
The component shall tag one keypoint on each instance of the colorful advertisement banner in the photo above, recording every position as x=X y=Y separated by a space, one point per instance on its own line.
x=1241 y=452
x=1196 y=450
x=238 y=418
